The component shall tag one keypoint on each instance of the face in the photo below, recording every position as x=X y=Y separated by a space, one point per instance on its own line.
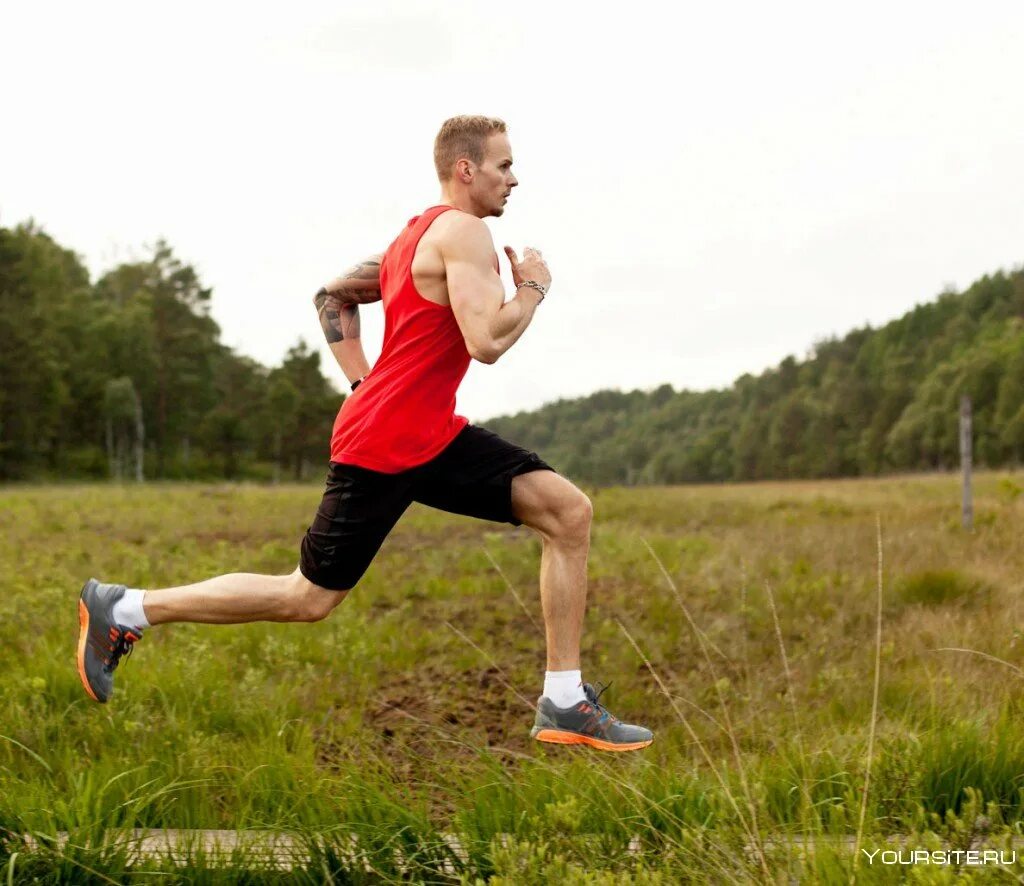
x=493 y=180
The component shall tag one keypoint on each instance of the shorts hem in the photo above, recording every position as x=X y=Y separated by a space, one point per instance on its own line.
x=318 y=582
x=527 y=467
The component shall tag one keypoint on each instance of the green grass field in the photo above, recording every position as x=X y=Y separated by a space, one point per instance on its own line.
x=403 y=719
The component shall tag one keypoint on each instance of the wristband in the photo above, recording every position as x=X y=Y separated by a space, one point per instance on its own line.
x=357 y=383
x=533 y=284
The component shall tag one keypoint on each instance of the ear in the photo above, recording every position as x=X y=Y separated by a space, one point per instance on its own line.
x=464 y=171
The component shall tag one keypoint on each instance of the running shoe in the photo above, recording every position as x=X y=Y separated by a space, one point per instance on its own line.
x=101 y=642
x=587 y=722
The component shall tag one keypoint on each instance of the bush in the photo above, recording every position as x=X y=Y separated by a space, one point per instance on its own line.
x=938 y=587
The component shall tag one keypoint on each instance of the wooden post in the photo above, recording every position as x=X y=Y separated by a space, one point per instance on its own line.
x=965 y=461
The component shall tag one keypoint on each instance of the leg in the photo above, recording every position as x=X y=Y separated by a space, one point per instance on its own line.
x=228 y=599
x=481 y=475
x=561 y=514
x=358 y=510
x=242 y=597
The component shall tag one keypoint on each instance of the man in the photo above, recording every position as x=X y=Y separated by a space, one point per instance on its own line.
x=397 y=440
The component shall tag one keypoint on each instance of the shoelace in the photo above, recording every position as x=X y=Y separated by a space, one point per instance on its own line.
x=122 y=647
x=600 y=708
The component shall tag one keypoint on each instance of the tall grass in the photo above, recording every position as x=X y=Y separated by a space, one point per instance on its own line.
x=390 y=743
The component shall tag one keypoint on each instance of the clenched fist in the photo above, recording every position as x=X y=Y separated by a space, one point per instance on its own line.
x=532 y=267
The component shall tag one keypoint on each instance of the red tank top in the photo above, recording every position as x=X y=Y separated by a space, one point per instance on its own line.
x=403 y=414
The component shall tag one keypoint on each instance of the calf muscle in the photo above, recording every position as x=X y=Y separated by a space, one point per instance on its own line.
x=242 y=597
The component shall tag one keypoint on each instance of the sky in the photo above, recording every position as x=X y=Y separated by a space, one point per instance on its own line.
x=714 y=186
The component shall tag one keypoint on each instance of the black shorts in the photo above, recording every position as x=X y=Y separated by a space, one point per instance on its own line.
x=471 y=476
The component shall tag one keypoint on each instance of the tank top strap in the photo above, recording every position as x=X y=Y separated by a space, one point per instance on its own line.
x=419 y=225
x=415 y=229
x=398 y=256
x=426 y=219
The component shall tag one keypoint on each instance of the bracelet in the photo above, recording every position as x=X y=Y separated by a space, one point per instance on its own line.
x=357 y=383
x=533 y=284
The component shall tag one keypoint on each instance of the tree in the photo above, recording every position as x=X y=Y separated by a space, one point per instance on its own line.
x=166 y=342
x=301 y=408
x=229 y=429
x=39 y=282
x=125 y=428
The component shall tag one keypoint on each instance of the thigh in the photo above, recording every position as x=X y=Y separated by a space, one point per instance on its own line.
x=473 y=476
x=358 y=510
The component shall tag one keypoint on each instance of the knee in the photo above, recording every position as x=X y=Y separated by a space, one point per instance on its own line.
x=573 y=518
x=309 y=602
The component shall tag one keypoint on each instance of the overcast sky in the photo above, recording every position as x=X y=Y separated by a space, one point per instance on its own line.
x=714 y=186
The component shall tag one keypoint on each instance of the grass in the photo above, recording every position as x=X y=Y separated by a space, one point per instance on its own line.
x=739 y=622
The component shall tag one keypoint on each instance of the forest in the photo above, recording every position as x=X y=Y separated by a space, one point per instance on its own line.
x=126 y=377
x=874 y=401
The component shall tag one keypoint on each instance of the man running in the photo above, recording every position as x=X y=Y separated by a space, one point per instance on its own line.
x=397 y=440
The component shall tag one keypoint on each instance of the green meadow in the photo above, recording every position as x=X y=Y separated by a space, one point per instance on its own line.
x=390 y=741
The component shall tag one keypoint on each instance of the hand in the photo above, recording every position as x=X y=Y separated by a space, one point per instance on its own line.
x=533 y=267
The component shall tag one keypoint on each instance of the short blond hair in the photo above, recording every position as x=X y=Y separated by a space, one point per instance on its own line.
x=463 y=136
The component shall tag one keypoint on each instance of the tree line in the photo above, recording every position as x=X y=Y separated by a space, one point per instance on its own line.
x=126 y=377
x=874 y=401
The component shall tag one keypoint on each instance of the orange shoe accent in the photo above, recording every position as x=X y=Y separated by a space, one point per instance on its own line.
x=83 y=634
x=556 y=736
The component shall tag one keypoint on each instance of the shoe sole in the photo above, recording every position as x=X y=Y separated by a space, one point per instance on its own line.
x=83 y=635
x=557 y=736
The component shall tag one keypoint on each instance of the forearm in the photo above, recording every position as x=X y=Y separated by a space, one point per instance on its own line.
x=351 y=358
x=512 y=319
x=360 y=284
x=341 y=326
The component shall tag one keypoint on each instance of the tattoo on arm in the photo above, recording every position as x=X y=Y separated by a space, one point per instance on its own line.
x=338 y=319
x=338 y=302
x=360 y=295
x=348 y=317
x=365 y=270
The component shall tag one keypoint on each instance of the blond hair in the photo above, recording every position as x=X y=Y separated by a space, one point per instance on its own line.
x=463 y=137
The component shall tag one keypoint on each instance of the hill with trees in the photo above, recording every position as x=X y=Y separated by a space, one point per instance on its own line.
x=873 y=401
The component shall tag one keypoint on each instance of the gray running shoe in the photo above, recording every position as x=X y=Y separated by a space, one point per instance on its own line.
x=101 y=642
x=587 y=722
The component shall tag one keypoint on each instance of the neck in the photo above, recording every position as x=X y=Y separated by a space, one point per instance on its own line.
x=458 y=201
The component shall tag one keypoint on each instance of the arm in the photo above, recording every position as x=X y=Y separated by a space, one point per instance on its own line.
x=489 y=324
x=337 y=303
x=360 y=284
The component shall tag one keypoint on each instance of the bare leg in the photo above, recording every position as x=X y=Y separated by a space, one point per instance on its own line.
x=242 y=597
x=561 y=514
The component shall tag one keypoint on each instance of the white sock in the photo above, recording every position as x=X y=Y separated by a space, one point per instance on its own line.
x=564 y=688
x=128 y=610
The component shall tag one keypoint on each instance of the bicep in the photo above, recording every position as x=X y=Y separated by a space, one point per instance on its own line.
x=475 y=293
x=475 y=290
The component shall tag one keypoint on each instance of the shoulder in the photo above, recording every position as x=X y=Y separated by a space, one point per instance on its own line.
x=460 y=232
x=457 y=222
